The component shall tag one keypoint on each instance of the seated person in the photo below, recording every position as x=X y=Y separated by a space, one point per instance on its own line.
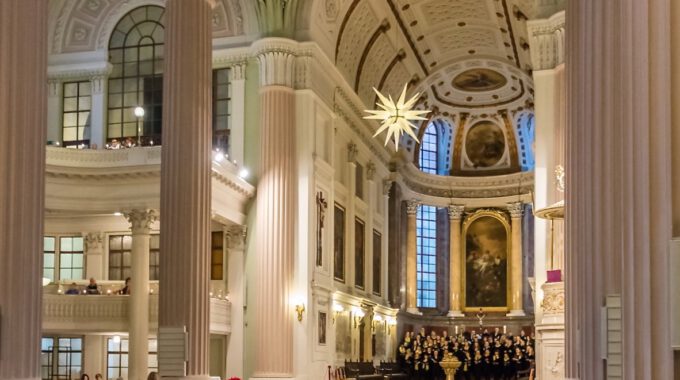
x=92 y=288
x=73 y=289
x=125 y=290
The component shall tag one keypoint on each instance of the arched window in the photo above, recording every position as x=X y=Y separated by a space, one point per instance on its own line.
x=435 y=148
x=429 y=157
x=136 y=80
x=526 y=138
x=426 y=257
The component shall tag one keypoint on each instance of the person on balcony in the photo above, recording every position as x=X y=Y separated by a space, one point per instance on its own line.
x=125 y=290
x=73 y=289
x=92 y=288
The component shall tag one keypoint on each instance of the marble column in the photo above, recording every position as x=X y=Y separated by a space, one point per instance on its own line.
x=186 y=190
x=455 y=261
x=411 y=257
x=516 y=210
x=23 y=107
x=236 y=240
x=138 y=305
x=618 y=186
x=276 y=215
x=98 y=117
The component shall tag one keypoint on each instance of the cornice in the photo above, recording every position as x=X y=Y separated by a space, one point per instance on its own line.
x=547 y=40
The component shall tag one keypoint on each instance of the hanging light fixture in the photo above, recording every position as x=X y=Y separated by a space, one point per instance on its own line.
x=397 y=117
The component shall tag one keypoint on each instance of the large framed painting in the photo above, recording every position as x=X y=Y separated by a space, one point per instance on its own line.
x=359 y=254
x=339 y=243
x=486 y=254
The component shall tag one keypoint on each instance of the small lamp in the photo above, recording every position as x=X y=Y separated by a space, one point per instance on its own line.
x=299 y=309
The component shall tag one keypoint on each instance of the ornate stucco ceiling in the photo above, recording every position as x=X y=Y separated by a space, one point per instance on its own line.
x=386 y=43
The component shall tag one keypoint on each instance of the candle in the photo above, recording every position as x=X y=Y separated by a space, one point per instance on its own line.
x=456 y=330
x=505 y=329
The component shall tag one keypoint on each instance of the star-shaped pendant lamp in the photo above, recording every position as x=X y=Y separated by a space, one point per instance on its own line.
x=397 y=117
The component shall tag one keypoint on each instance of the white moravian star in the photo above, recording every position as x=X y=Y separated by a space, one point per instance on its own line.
x=397 y=117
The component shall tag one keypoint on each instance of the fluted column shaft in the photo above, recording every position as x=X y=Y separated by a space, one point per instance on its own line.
x=618 y=214
x=23 y=107
x=411 y=257
x=276 y=215
x=516 y=210
x=455 y=261
x=185 y=179
x=140 y=225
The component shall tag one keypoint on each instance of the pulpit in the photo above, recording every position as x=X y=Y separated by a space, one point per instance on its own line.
x=450 y=364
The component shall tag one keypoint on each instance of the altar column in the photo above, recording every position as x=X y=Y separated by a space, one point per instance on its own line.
x=185 y=191
x=455 y=261
x=138 y=305
x=411 y=257
x=276 y=215
x=516 y=284
x=23 y=107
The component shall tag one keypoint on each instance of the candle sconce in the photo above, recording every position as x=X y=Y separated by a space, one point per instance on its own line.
x=299 y=310
x=337 y=309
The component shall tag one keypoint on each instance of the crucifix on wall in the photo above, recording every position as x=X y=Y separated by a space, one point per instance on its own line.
x=321 y=206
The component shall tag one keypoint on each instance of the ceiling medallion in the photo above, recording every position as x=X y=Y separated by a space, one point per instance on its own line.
x=397 y=117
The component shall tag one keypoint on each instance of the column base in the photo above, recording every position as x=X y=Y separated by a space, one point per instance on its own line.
x=455 y=314
x=414 y=311
x=516 y=313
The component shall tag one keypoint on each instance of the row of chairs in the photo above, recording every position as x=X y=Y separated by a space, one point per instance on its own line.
x=366 y=371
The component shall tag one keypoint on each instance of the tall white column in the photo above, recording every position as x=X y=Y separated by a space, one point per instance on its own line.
x=185 y=189
x=618 y=191
x=276 y=211
x=236 y=239
x=411 y=257
x=23 y=107
x=237 y=129
x=98 y=117
x=138 y=306
x=455 y=261
x=516 y=210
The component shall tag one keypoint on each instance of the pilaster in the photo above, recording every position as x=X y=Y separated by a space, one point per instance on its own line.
x=516 y=209
x=455 y=261
x=411 y=257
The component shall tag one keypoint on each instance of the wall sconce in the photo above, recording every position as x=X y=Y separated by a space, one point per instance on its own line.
x=377 y=320
x=299 y=309
x=358 y=316
x=391 y=322
x=337 y=309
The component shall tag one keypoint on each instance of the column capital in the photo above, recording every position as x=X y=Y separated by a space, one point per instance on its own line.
x=547 y=41
x=370 y=171
x=456 y=212
x=53 y=86
x=352 y=152
x=412 y=206
x=94 y=240
x=236 y=236
x=516 y=209
x=277 y=66
x=237 y=71
x=141 y=220
x=97 y=83
x=387 y=186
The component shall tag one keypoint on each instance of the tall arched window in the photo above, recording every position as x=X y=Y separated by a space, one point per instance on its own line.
x=136 y=54
x=428 y=160
x=426 y=257
x=526 y=138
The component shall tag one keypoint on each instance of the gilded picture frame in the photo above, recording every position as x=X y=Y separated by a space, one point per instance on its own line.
x=472 y=221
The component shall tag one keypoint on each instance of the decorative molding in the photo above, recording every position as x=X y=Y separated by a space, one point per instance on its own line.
x=370 y=171
x=141 y=220
x=553 y=298
x=387 y=186
x=53 y=87
x=75 y=71
x=237 y=71
x=456 y=212
x=236 y=236
x=547 y=40
x=352 y=152
x=98 y=82
x=516 y=209
x=277 y=63
x=94 y=241
x=412 y=206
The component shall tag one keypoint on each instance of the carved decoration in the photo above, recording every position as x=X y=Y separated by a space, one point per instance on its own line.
x=387 y=186
x=236 y=236
x=321 y=206
x=94 y=241
x=553 y=300
x=456 y=212
x=516 y=209
x=141 y=220
x=412 y=206
x=352 y=152
x=370 y=171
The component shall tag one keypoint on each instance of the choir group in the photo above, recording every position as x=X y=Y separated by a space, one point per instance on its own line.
x=483 y=356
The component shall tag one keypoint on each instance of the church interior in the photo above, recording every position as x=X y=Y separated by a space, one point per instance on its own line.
x=339 y=189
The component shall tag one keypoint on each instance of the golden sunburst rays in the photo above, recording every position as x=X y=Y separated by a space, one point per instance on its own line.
x=397 y=118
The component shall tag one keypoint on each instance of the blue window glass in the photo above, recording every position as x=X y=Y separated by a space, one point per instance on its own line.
x=428 y=150
x=426 y=263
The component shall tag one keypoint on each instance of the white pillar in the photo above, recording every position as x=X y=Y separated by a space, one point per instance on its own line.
x=618 y=191
x=455 y=261
x=236 y=239
x=54 y=109
x=276 y=213
x=138 y=306
x=94 y=255
x=516 y=210
x=238 y=112
x=186 y=190
x=98 y=111
x=23 y=110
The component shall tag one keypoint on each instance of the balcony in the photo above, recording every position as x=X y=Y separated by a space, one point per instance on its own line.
x=108 y=312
